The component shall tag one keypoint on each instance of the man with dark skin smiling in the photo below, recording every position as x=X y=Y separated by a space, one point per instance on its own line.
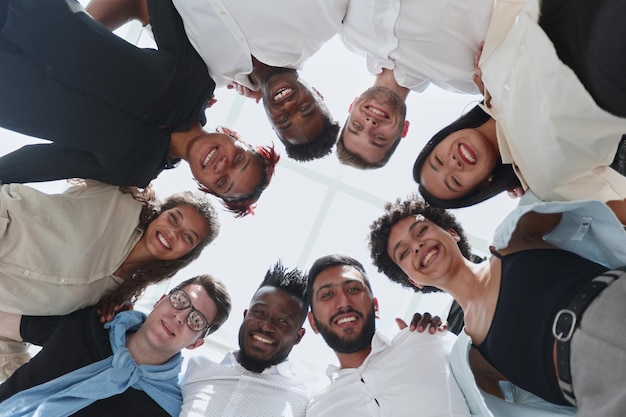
x=376 y=123
x=258 y=55
x=257 y=379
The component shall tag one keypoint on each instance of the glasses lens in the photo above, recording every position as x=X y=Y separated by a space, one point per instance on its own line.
x=196 y=321
x=179 y=300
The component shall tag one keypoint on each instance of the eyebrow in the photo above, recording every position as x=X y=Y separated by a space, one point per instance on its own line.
x=180 y=213
x=242 y=169
x=411 y=227
x=445 y=181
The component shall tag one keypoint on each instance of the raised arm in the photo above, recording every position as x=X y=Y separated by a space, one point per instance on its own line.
x=531 y=228
x=10 y=325
x=115 y=13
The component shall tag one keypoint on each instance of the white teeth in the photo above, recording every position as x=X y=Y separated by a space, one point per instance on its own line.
x=282 y=93
x=346 y=320
x=429 y=256
x=262 y=339
x=378 y=112
x=208 y=157
x=163 y=241
x=467 y=155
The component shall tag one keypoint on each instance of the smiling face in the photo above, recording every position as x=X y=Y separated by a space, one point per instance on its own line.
x=293 y=109
x=271 y=327
x=423 y=250
x=226 y=166
x=166 y=328
x=458 y=164
x=343 y=309
x=376 y=121
x=174 y=233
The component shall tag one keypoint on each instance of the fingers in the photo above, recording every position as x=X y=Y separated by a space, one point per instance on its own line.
x=401 y=323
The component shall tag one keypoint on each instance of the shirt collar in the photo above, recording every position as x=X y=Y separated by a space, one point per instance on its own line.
x=379 y=343
x=283 y=369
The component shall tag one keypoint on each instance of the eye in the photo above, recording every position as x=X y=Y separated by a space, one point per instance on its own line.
x=421 y=231
x=238 y=160
x=282 y=121
x=354 y=290
x=190 y=238
x=438 y=160
x=357 y=126
x=222 y=182
x=173 y=217
x=305 y=107
x=326 y=295
x=283 y=322
x=378 y=137
x=259 y=313
x=404 y=253
x=455 y=181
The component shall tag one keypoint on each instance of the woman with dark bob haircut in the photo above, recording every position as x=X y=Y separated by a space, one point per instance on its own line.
x=544 y=316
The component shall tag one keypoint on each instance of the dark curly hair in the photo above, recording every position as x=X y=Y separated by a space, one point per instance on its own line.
x=355 y=160
x=293 y=282
x=503 y=176
x=136 y=281
x=396 y=211
x=319 y=147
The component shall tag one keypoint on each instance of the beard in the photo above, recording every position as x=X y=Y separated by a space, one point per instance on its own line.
x=348 y=344
x=254 y=364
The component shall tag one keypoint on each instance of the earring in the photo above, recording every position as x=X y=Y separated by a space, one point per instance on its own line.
x=491 y=178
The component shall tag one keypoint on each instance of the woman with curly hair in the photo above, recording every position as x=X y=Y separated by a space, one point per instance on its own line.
x=542 y=308
x=93 y=243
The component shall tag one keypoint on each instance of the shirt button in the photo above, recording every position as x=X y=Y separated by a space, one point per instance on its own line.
x=506 y=87
x=26 y=273
x=49 y=67
x=61 y=280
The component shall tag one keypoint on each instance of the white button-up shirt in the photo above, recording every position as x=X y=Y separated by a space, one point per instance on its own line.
x=280 y=33
x=230 y=390
x=558 y=140
x=406 y=376
x=422 y=41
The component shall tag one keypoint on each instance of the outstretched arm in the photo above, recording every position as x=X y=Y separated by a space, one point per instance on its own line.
x=10 y=325
x=115 y=13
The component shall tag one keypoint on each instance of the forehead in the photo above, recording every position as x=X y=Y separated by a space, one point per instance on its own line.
x=201 y=301
x=337 y=275
x=276 y=297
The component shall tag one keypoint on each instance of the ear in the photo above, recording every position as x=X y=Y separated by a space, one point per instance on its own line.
x=351 y=104
x=376 y=311
x=454 y=234
x=312 y=322
x=405 y=129
x=159 y=300
x=415 y=283
x=318 y=93
x=245 y=313
x=199 y=342
x=300 y=335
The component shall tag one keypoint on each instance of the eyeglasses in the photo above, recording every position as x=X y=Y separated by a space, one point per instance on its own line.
x=196 y=321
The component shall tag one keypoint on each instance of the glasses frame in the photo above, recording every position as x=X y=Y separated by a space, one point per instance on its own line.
x=193 y=309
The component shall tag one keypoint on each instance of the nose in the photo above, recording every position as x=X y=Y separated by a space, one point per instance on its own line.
x=341 y=301
x=455 y=161
x=371 y=121
x=221 y=164
x=418 y=246
x=267 y=326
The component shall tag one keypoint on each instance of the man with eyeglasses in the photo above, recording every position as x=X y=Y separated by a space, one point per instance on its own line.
x=257 y=379
x=128 y=366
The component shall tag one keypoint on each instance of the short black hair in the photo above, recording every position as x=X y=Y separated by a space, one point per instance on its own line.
x=293 y=282
x=396 y=211
x=319 y=147
x=504 y=177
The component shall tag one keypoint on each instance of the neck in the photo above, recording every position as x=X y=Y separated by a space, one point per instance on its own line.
x=136 y=259
x=488 y=129
x=179 y=141
x=353 y=360
x=260 y=71
x=387 y=80
x=469 y=283
x=142 y=352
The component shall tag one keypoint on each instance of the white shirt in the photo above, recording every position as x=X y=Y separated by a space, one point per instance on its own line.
x=280 y=33
x=228 y=389
x=422 y=41
x=398 y=378
x=58 y=252
x=559 y=141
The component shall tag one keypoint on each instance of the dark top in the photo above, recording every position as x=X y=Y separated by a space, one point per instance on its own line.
x=71 y=342
x=535 y=285
x=108 y=107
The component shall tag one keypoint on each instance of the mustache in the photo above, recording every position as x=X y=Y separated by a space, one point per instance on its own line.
x=348 y=310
